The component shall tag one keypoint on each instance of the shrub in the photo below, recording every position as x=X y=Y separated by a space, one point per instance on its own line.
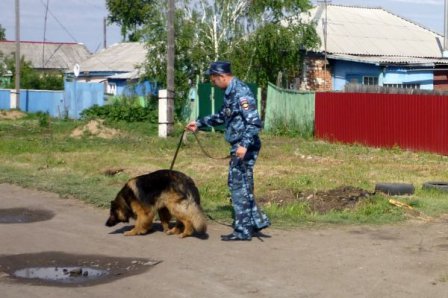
x=126 y=109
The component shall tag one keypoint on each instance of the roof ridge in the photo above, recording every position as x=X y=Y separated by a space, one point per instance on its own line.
x=388 y=11
x=366 y=30
x=355 y=6
x=411 y=21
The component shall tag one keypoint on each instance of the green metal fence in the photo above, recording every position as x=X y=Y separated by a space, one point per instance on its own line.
x=204 y=100
x=289 y=112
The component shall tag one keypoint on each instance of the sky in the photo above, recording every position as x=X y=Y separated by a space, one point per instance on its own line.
x=82 y=20
x=67 y=21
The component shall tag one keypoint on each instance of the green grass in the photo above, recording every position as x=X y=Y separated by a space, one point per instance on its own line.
x=41 y=155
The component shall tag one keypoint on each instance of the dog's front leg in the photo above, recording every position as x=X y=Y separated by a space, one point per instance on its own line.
x=165 y=217
x=177 y=229
x=143 y=224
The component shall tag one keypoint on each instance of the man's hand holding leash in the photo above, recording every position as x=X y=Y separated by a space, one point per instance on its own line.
x=192 y=126
x=240 y=151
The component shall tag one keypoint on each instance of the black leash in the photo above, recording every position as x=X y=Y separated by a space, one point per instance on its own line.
x=177 y=150
x=205 y=152
x=217 y=221
x=200 y=146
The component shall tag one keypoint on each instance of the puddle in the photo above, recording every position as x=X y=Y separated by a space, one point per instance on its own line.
x=24 y=215
x=64 y=275
x=69 y=270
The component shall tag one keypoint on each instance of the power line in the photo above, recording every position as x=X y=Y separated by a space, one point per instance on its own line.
x=59 y=22
x=88 y=2
x=51 y=56
x=45 y=32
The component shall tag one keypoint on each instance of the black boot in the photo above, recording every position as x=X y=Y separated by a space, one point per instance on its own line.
x=232 y=237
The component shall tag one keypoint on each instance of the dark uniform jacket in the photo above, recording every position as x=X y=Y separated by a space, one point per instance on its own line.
x=239 y=116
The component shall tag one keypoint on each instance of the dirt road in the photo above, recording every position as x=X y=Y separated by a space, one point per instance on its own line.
x=408 y=260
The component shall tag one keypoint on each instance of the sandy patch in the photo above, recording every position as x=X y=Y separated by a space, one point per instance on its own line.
x=95 y=128
x=11 y=115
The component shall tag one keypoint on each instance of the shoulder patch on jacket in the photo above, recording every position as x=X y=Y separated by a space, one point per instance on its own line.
x=244 y=103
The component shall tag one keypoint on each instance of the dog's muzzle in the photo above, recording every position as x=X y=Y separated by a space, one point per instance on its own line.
x=111 y=222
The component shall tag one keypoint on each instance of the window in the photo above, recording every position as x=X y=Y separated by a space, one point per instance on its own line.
x=370 y=81
x=111 y=88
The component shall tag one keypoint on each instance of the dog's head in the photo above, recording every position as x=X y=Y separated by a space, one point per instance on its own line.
x=119 y=212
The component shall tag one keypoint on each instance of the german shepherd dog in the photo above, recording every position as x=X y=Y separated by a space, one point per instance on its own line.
x=166 y=192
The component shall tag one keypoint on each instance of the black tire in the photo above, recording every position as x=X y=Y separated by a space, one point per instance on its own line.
x=439 y=185
x=395 y=189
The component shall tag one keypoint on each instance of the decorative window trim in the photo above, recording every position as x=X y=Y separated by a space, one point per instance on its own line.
x=403 y=86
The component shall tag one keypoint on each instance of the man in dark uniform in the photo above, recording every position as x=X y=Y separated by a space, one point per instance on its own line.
x=242 y=125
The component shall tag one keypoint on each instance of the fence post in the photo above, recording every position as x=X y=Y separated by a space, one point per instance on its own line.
x=13 y=102
x=166 y=119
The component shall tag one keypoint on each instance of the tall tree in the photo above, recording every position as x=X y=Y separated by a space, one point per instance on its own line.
x=130 y=15
x=220 y=24
x=273 y=49
x=251 y=34
x=274 y=11
x=2 y=33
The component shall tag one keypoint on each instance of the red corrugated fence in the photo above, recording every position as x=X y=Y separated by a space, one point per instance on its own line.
x=417 y=122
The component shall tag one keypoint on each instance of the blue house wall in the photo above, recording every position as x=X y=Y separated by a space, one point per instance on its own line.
x=79 y=96
x=395 y=75
x=346 y=71
x=129 y=89
x=5 y=99
x=33 y=101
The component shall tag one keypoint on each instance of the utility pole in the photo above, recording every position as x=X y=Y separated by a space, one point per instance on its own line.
x=166 y=97
x=45 y=33
x=104 y=33
x=16 y=101
x=445 y=40
x=325 y=31
x=170 y=51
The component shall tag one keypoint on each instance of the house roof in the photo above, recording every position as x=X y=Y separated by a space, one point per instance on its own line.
x=48 y=55
x=373 y=32
x=386 y=60
x=121 y=57
x=135 y=74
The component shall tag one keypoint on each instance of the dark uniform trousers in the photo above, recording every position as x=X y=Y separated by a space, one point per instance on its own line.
x=243 y=123
x=248 y=218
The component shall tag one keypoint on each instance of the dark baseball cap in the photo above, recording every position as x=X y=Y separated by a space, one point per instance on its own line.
x=219 y=67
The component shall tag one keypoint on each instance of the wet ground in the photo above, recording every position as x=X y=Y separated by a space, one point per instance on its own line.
x=69 y=270
x=24 y=215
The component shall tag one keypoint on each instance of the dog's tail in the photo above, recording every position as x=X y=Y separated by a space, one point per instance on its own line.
x=197 y=216
x=199 y=222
